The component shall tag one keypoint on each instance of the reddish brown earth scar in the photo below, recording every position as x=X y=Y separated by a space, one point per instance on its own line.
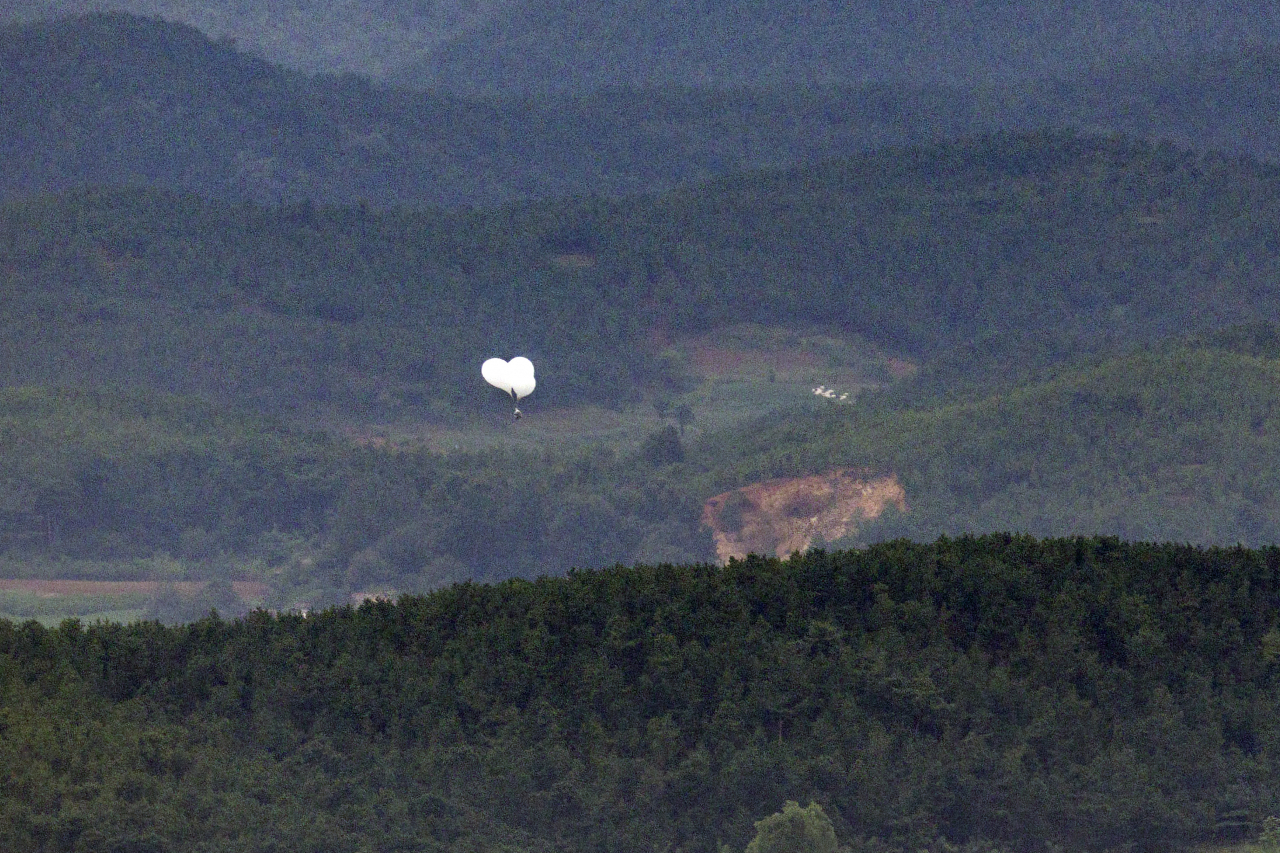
x=710 y=360
x=787 y=515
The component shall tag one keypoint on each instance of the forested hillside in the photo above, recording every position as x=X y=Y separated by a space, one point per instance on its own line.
x=108 y=486
x=997 y=263
x=995 y=693
x=1049 y=237
x=1172 y=443
x=103 y=475
x=242 y=315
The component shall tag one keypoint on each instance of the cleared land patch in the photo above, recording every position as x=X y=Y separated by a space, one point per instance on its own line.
x=249 y=592
x=790 y=514
x=49 y=601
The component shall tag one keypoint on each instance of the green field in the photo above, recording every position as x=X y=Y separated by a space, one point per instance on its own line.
x=50 y=609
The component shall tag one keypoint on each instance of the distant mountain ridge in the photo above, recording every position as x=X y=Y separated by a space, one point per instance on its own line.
x=550 y=45
x=309 y=35
x=505 y=46
x=116 y=99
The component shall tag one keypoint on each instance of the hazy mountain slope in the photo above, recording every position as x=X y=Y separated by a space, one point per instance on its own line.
x=115 y=99
x=1215 y=99
x=311 y=35
x=509 y=45
x=553 y=45
x=120 y=100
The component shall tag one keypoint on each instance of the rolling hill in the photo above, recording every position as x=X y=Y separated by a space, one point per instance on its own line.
x=117 y=100
x=1171 y=442
x=1054 y=246
x=242 y=311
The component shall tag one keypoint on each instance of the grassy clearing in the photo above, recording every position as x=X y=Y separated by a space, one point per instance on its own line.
x=39 y=566
x=159 y=567
x=54 y=620
x=52 y=609
x=50 y=601
x=24 y=604
x=715 y=404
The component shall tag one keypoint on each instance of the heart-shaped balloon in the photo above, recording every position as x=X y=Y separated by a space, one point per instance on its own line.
x=515 y=376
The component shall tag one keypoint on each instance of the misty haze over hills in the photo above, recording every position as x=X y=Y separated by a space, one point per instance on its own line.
x=542 y=44
x=492 y=46
x=117 y=99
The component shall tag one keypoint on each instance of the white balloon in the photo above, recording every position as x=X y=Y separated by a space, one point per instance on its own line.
x=515 y=376
x=521 y=376
x=522 y=386
x=494 y=372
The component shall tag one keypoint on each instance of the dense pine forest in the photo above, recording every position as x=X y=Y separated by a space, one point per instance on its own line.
x=991 y=693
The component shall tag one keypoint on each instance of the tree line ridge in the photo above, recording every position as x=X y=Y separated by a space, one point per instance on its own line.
x=996 y=692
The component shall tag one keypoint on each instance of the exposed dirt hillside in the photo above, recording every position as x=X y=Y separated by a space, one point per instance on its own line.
x=786 y=515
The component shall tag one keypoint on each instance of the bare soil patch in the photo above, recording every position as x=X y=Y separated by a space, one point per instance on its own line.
x=787 y=515
x=750 y=351
x=711 y=360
